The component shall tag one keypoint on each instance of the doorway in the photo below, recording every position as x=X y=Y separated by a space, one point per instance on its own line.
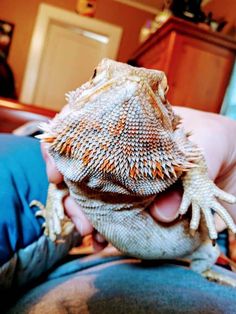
x=65 y=48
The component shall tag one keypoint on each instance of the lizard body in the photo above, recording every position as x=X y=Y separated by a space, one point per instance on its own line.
x=118 y=144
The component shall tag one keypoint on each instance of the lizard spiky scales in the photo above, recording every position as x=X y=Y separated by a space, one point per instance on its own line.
x=118 y=144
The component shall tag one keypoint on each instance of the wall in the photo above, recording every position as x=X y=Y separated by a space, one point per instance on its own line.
x=131 y=19
x=23 y=14
x=227 y=10
x=223 y=9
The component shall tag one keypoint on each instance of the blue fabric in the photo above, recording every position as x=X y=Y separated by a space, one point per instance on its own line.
x=125 y=285
x=23 y=179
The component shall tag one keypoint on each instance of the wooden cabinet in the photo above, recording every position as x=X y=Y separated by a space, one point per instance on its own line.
x=198 y=63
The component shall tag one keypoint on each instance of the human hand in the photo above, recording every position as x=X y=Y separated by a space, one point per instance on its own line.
x=215 y=135
x=72 y=209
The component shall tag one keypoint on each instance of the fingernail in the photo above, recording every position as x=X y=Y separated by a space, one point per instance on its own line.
x=165 y=208
x=99 y=238
x=167 y=214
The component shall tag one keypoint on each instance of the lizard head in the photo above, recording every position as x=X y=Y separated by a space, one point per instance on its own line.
x=119 y=127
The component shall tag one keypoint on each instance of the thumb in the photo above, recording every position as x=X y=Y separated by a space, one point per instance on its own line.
x=165 y=206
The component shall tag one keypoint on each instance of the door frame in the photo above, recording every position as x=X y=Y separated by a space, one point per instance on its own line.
x=46 y=14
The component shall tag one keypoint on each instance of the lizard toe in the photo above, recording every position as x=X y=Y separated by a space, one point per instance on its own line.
x=185 y=203
x=224 y=196
x=223 y=213
x=196 y=215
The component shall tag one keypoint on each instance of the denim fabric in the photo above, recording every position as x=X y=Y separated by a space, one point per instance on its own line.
x=125 y=285
x=23 y=179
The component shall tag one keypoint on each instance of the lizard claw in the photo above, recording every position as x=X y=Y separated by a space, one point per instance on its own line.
x=39 y=213
x=192 y=232
x=51 y=225
x=56 y=224
x=201 y=193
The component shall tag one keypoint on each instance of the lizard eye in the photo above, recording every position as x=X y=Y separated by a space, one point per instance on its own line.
x=166 y=89
x=94 y=74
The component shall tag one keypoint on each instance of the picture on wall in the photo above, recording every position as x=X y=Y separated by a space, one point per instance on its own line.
x=6 y=32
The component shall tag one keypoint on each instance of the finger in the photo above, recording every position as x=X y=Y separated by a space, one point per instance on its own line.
x=222 y=212
x=99 y=242
x=76 y=214
x=219 y=223
x=165 y=207
x=54 y=176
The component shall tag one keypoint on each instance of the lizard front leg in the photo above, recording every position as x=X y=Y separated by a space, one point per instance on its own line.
x=57 y=225
x=202 y=194
x=203 y=260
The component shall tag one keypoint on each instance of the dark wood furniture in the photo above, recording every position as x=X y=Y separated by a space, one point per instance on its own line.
x=13 y=114
x=198 y=63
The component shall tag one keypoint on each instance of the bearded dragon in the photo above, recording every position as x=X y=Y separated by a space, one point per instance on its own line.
x=118 y=144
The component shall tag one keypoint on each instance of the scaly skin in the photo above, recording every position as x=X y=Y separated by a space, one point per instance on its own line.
x=118 y=144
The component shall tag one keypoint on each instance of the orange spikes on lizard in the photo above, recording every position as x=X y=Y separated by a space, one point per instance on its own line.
x=159 y=170
x=133 y=172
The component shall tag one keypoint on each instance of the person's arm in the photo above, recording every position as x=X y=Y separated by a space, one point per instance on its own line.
x=25 y=252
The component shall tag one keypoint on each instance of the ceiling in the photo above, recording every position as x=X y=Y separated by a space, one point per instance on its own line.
x=152 y=6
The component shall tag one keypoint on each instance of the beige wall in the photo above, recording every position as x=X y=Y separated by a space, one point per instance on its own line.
x=23 y=14
x=223 y=9
x=129 y=18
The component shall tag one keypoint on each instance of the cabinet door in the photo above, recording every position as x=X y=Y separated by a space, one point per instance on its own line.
x=199 y=74
x=158 y=56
